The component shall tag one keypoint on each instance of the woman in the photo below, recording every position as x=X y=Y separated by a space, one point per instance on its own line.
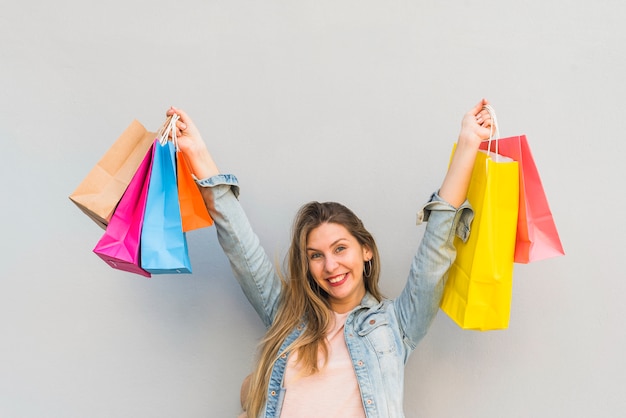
x=334 y=347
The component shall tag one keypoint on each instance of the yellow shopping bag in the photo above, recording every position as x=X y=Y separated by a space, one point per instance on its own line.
x=477 y=294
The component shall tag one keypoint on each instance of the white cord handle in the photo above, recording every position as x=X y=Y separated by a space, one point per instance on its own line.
x=495 y=129
x=169 y=126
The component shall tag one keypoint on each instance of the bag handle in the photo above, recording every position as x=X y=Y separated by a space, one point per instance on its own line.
x=494 y=135
x=169 y=126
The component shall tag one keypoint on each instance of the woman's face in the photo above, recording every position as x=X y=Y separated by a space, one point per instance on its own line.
x=336 y=261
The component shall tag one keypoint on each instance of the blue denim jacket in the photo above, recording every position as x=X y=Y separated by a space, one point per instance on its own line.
x=380 y=335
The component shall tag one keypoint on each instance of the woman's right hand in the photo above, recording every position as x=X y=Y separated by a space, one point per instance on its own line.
x=193 y=147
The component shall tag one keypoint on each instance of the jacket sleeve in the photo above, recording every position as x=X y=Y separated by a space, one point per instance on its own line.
x=250 y=264
x=419 y=301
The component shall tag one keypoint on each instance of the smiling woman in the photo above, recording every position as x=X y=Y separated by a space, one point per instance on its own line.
x=336 y=259
x=336 y=263
x=334 y=346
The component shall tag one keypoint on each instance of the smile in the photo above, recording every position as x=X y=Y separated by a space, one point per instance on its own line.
x=337 y=280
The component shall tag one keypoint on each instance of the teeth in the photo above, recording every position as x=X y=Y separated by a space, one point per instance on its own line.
x=337 y=279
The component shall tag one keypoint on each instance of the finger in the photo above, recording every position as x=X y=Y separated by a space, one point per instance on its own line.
x=184 y=118
x=484 y=134
x=478 y=107
x=484 y=115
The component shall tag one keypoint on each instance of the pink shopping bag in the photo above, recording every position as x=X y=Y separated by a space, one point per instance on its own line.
x=120 y=244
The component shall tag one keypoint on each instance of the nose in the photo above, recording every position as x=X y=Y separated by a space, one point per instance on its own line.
x=331 y=264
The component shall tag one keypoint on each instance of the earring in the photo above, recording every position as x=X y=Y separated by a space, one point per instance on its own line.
x=367 y=273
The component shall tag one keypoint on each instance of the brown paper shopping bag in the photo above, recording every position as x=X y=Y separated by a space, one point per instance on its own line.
x=100 y=192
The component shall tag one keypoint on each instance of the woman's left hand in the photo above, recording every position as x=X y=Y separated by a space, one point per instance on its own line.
x=476 y=126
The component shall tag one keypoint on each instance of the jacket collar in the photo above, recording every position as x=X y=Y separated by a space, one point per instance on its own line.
x=368 y=301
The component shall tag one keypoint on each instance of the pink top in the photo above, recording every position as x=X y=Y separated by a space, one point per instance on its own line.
x=333 y=391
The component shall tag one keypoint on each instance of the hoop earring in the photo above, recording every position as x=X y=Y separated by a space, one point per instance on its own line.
x=365 y=268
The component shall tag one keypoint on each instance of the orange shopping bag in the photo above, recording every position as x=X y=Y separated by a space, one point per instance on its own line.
x=192 y=208
x=193 y=211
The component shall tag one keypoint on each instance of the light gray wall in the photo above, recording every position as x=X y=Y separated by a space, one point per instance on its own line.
x=356 y=101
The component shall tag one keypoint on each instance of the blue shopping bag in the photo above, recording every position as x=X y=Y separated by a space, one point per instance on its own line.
x=163 y=242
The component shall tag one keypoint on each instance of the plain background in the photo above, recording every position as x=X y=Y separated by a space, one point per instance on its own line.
x=355 y=101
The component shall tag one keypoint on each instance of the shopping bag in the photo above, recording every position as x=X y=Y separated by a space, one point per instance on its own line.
x=477 y=294
x=193 y=210
x=537 y=236
x=163 y=242
x=120 y=244
x=101 y=190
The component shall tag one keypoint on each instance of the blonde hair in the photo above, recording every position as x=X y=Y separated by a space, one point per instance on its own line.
x=303 y=301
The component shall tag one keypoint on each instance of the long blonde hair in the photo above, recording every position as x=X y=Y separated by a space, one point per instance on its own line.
x=303 y=301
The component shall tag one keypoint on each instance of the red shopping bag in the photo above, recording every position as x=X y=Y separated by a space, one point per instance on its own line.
x=537 y=236
x=120 y=244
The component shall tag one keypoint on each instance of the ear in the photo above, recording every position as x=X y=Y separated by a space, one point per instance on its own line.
x=367 y=253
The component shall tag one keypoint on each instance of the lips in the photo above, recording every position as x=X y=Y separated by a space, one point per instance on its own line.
x=338 y=280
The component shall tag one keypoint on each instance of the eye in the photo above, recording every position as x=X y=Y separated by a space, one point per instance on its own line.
x=314 y=256
x=340 y=248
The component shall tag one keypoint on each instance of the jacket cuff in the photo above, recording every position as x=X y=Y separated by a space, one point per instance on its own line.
x=463 y=217
x=228 y=180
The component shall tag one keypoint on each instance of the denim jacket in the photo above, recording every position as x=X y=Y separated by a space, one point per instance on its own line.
x=380 y=336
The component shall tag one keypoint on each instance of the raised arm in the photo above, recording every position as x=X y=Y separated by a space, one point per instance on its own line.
x=448 y=214
x=475 y=127
x=250 y=264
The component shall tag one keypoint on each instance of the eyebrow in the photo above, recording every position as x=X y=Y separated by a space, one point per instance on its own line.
x=332 y=245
